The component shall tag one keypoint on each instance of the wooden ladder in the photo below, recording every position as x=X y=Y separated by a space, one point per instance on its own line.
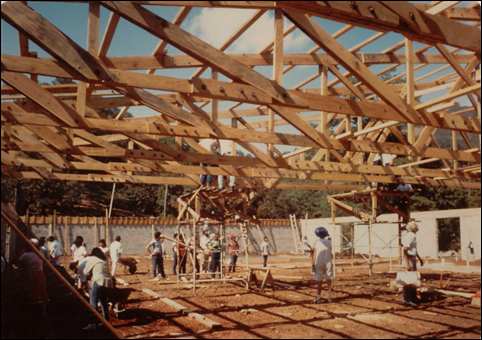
x=295 y=231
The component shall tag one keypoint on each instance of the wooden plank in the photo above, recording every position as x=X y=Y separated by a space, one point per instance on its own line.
x=210 y=324
x=238 y=92
x=427 y=28
x=108 y=34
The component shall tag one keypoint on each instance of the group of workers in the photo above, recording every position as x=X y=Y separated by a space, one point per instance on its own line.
x=93 y=274
x=322 y=260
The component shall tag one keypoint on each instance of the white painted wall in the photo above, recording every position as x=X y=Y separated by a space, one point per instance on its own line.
x=385 y=235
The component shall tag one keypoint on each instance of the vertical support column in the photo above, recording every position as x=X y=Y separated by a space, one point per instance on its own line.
x=178 y=231
x=477 y=79
x=194 y=236
x=96 y=231
x=54 y=223
x=410 y=86
x=277 y=62
x=324 y=115
x=106 y=227
x=370 y=253
x=67 y=240
x=455 y=147
x=221 y=237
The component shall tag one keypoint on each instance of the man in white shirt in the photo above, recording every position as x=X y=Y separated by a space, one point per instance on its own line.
x=409 y=244
x=322 y=261
x=265 y=250
x=115 y=251
x=55 y=250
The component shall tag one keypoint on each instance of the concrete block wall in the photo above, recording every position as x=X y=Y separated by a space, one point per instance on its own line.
x=385 y=235
x=135 y=237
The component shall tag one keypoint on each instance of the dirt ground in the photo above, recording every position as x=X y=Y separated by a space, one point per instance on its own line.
x=360 y=307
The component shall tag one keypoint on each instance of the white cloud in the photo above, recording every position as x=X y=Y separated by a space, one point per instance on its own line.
x=216 y=25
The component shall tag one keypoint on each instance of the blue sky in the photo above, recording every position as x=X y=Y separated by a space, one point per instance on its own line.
x=130 y=40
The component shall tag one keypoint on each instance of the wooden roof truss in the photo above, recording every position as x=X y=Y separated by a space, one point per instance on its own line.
x=341 y=125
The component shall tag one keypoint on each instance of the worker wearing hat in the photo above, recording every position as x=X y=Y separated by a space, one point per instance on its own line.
x=409 y=244
x=322 y=258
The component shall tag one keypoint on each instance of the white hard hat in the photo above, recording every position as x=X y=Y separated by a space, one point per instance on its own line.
x=34 y=241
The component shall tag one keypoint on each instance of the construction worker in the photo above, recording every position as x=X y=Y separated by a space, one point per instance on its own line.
x=409 y=244
x=55 y=250
x=265 y=250
x=322 y=260
x=115 y=251
x=233 y=252
x=214 y=246
x=203 y=245
x=157 y=259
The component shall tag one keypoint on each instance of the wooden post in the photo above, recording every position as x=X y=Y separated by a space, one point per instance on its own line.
x=96 y=230
x=246 y=253
x=277 y=63
x=111 y=200
x=370 y=258
x=178 y=230
x=54 y=222
x=455 y=147
x=195 y=256
x=106 y=227
x=66 y=235
x=221 y=236
x=324 y=115
x=410 y=86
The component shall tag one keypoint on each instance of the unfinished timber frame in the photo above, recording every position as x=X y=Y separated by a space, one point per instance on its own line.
x=326 y=136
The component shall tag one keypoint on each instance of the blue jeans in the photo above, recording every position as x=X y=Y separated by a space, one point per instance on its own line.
x=98 y=294
x=158 y=265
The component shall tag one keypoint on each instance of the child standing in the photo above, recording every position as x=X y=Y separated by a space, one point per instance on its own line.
x=265 y=251
x=233 y=252
x=322 y=261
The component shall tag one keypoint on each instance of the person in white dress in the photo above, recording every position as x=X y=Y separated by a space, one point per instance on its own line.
x=322 y=260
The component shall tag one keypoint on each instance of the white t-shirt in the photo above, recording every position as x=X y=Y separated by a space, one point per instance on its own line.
x=156 y=246
x=115 y=250
x=322 y=252
x=78 y=253
x=99 y=270
x=203 y=242
x=265 y=248
x=55 y=250
x=409 y=241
